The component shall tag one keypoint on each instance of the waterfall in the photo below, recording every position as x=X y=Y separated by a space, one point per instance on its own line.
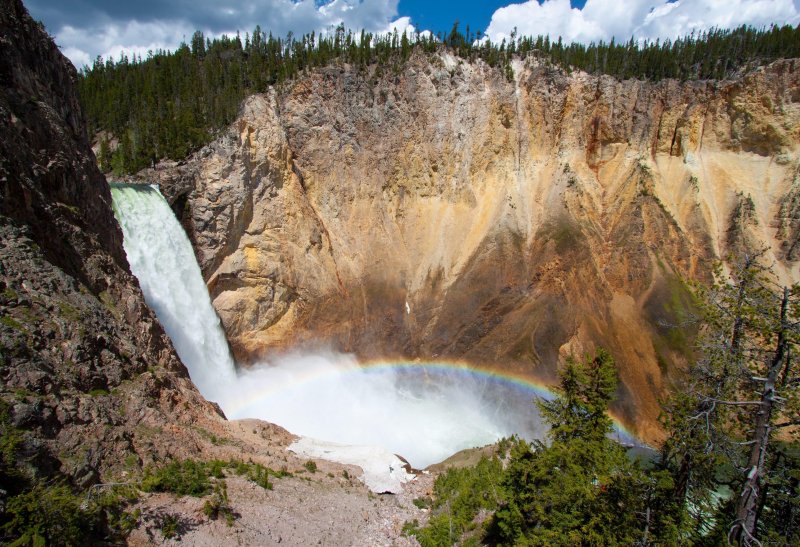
x=423 y=411
x=163 y=261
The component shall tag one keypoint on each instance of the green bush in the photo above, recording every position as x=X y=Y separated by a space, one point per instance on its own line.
x=458 y=496
x=254 y=472
x=44 y=515
x=53 y=515
x=217 y=506
x=186 y=478
x=169 y=526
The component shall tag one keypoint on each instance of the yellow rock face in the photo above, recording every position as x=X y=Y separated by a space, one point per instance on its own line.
x=444 y=212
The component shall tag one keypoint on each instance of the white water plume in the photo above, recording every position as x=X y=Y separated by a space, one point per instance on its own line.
x=162 y=259
x=423 y=412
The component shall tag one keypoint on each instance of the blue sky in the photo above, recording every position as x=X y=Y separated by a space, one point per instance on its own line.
x=85 y=29
x=436 y=16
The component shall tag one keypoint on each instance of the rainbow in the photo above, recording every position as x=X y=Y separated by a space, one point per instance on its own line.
x=527 y=385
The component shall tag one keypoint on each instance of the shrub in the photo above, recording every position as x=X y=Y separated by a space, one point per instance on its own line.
x=182 y=478
x=53 y=515
x=254 y=472
x=45 y=515
x=169 y=526
x=218 y=506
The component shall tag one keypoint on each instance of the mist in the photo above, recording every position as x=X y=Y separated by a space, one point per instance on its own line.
x=419 y=411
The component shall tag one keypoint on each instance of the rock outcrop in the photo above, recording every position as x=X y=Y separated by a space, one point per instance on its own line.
x=443 y=212
x=88 y=375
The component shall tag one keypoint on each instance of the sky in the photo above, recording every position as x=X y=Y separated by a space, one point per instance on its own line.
x=85 y=29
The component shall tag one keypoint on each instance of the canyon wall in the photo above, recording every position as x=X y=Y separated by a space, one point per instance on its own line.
x=441 y=211
x=91 y=386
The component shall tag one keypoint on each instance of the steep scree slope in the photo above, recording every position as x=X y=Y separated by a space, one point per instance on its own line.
x=445 y=212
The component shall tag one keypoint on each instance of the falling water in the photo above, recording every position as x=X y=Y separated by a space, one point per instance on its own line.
x=162 y=258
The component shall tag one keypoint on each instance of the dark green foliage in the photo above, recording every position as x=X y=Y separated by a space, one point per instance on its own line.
x=779 y=515
x=169 y=526
x=104 y=155
x=170 y=103
x=54 y=515
x=458 y=496
x=184 y=478
x=192 y=478
x=256 y=473
x=218 y=506
x=310 y=466
x=12 y=479
x=422 y=503
x=33 y=512
x=582 y=487
x=580 y=412
x=47 y=516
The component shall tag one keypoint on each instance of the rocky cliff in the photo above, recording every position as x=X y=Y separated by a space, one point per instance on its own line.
x=441 y=211
x=90 y=382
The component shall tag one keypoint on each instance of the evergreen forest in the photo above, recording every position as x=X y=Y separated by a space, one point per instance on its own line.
x=170 y=103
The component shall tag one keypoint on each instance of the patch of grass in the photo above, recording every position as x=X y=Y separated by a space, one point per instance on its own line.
x=98 y=392
x=423 y=503
x=169 y=526
x=132 y=461
x=282 y=472
x=310 y=466
x=184 y=478
x=9 y=294
x=216 y=441
x=109 y=303
x=411 y=528
x=681 y=308
x=564 y=233
x=663 y=366
x=21 y=394
x=12 y=323
x=148 y=432
x=68 y=311
x=254 y=472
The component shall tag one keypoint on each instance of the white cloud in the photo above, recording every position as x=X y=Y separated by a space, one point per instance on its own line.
x=604 y=19
x=108 y=28
x=81 y=46
x=401 y=25
x=109 y=36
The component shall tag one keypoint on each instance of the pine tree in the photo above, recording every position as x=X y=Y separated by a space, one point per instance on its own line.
x=736 y=396
x=104 y=155
x=582 y=488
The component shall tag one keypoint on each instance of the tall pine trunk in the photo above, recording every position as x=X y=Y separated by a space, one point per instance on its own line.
x=743 y=530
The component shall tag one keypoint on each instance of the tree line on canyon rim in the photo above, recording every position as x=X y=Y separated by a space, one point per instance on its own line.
x=170 y=103
x=728 y=472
